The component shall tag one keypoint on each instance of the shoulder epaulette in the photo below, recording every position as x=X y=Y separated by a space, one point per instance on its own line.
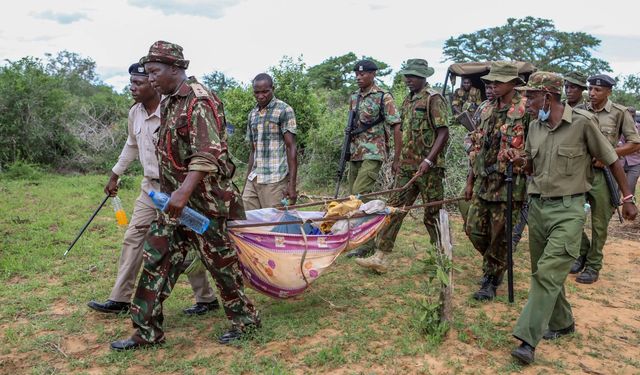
x=584 y=112
x=619 y=106
x=199 y=90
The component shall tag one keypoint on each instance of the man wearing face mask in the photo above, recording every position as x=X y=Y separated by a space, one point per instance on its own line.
x=503 y=125
x=558 y=152
x=614 y=121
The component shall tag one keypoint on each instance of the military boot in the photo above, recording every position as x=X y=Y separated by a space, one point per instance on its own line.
x=588 y=276
x=377 y=262
x=487 y=291
x=578 y=265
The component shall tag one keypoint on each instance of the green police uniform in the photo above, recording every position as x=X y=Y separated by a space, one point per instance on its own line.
x=499 y=129
x=369 y=148
x=614 y=120
x=561 y=158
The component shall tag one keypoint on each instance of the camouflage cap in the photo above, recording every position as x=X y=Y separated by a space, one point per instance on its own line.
x=417 y=67
x=544 y=81
x=577 y=78
x=503 y=71
x=166 y=53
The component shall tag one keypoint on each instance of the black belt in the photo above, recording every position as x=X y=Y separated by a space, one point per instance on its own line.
x=555 y=198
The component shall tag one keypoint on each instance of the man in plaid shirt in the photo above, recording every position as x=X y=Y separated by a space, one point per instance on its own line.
x=273 y=164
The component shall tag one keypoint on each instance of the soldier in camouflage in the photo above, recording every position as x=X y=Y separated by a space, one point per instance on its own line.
x=466 y=98
x=376 y=115
x=196 y=169
x=425 y=128
x=503 y=125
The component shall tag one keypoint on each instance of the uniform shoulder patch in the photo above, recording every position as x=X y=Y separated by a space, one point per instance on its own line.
x=584 y=113
x=199 y=90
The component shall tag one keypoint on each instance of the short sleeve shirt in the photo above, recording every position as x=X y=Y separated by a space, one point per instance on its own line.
x=615 y=121
x=562 y=156
x=372 y=144
x=422 y=114
x=265 y=131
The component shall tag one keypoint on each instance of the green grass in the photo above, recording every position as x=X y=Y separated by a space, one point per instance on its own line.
x=350 y=320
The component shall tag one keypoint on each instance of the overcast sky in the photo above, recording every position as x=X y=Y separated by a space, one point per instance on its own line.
x=244 y=37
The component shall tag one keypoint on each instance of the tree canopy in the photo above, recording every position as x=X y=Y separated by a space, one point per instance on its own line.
x=529 y=39
x=336 y=72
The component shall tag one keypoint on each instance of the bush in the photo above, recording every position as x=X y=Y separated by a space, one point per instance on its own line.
x=21 y=170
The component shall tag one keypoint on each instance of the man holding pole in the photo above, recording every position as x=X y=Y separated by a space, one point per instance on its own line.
x=559 y=148
x=425 y=121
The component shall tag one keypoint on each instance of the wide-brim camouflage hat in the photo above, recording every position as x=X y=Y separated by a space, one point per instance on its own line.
x=166 y=53
x=544 y=81
x=417 y=67
x=577 y=78
x=503 y=71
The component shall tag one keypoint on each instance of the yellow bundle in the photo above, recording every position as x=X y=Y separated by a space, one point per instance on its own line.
x=335 y=209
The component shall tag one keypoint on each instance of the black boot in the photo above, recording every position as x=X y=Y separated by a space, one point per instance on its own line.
x=487 y=291
x=552 y=335
x=578 y=265
x=525 y=353
x=110 y=307
x=588 y=276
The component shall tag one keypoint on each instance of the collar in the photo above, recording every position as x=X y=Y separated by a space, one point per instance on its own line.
x=607 y=107
x=421 y=94
x=372 y=90
x=146 y=115
x=517 y=97
x=271 y=104
x=567 y=118
x=184 y=89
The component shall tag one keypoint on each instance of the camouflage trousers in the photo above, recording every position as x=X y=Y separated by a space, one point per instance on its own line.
x=486 y=228
x=165 y=250
x=430 y=187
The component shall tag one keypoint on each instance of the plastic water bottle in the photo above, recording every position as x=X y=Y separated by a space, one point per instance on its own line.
x=121 y=216
x=189 y=217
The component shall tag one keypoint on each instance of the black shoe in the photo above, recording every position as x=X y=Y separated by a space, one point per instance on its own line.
x=525 y=353
x=201 y=308
x=110 y=307
x=131 y=344
x=552 y=335
x=588 y=276
x=235 y=334
x=487 y=291
x=578 y=265
x=360 y=252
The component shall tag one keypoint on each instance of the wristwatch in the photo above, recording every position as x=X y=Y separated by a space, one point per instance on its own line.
x=429 y=162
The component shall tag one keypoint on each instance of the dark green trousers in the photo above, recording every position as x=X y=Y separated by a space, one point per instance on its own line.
x=601 y=212
x=554 y=244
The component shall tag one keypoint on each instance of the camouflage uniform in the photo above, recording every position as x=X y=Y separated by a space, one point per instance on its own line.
x=370 y=147
x=421 y=115
x=185 y=146
x=499 y=129
x=466 y=100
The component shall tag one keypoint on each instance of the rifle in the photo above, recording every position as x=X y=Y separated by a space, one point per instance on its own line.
x=86 y=225
x=345 y=154
x=509 y=230
x=614 y=194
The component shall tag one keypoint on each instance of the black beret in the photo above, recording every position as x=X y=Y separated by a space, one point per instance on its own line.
x=365 y=66
x=137 y=70
x=601 y=80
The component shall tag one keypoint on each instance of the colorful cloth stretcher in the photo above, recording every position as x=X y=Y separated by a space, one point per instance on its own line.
x=283 y=265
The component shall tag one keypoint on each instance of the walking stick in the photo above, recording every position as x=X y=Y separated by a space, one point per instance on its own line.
x=509 y=230
x=86 y=225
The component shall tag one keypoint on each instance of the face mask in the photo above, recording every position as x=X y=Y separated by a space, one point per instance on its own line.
x=542 y=115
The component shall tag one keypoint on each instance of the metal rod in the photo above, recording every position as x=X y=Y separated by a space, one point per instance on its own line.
x=86 y=225
x=509 y=230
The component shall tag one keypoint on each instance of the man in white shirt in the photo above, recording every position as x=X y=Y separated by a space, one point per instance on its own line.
x=144 y=120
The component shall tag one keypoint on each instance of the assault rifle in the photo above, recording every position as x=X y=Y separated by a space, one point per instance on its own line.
x=345 y=154
x=614 y=194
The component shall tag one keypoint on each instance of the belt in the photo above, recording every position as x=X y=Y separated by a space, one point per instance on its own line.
x=156 y=180
x=555 y=198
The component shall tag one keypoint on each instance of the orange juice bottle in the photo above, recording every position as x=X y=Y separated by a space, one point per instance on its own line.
x=121 y=216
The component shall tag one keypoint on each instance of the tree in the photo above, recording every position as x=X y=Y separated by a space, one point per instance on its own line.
x=535 y=40
x=219 y=82
x=336 y=73
x=627 y=93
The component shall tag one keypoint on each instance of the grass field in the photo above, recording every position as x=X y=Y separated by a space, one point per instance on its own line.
x=350 y=321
